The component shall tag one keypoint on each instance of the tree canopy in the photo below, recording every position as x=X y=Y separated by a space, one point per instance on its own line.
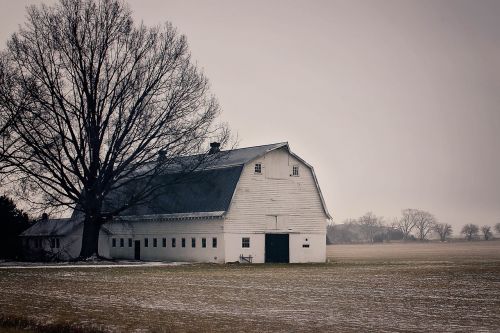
x=95 y=101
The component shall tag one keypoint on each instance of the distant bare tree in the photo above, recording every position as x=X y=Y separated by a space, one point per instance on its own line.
x=470 y=231
x=486 y=231
x=443 y=230
x=100 y=103
x=370 y=224
x=424 y=223
x=406 y=222
x=497 y=228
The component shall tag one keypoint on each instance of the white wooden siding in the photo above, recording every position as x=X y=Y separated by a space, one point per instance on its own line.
x=275 y=196
x=188 y=229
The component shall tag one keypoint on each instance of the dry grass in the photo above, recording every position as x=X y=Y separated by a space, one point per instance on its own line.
x=422 y=292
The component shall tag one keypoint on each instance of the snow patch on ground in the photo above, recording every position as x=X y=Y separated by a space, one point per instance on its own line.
x=101 y=264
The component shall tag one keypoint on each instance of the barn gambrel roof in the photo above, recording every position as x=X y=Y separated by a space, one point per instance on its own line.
x=206 y=193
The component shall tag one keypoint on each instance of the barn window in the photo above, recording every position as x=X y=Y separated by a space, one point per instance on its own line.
x=155 y=242
x=245 y=242
x=52 y=243
x=58 y=244
x=146 y=242
x=214 y=242
x=193 y=242
x=183 y=242
x=173 y=242
x=113 y=242
x=164 y=242
x=203 y=242
x=130 y=242
x=122 y=242
x=258 y=168
x=295 y=170
x=305 y=245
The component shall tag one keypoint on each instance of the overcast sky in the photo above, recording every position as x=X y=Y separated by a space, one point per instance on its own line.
x=396 y=104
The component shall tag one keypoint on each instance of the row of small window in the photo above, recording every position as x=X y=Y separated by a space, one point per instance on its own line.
x=173 y=242
x=54 y=243
x=258 y=169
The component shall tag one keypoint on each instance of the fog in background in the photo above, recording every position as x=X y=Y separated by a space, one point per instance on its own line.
x=395 y=103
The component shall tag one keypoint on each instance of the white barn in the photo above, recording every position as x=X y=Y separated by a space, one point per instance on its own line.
x=257 y=204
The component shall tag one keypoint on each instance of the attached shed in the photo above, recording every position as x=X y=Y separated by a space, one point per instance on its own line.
x=59 y=239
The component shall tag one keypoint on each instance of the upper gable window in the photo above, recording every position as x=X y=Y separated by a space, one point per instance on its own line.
x=258 y=168
x=295 y=170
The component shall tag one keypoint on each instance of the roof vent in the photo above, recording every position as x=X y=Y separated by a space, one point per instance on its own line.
x=214 y=147
x=45 y=217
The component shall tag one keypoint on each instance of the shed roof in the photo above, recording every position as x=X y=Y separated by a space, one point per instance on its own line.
x=52 y=227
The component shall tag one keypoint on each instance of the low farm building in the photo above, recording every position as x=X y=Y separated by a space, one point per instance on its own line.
x=257 y=204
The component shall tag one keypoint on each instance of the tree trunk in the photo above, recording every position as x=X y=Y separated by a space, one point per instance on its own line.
x=90 y=238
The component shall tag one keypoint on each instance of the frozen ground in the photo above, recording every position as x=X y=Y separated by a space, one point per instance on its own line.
x=375 y=293
x=100 y=264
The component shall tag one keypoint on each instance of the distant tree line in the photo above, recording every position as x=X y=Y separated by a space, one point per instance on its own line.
x=412 y=225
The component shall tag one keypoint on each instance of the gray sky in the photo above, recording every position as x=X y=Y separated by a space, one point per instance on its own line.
x=395 y=103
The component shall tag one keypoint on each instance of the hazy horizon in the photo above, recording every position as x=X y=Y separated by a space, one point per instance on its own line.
x=394 y=103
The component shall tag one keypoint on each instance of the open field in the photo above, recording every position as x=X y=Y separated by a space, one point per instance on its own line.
x=415 y=251
x=422 y=291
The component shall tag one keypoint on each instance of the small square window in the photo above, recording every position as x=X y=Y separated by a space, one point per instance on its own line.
x=295 y=170
x=174 y=242
x=183 y=242
x=130 y=242
x=146 y=242
x=214 y=242
x=122 y=242
x=193 y=242
x=113 y=242
x=258 y=168
x=155 y=242
x=245 y=242
x=203 y=242
x=164 y=242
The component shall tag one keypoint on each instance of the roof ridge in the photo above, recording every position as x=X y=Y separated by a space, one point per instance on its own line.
x=258 y=146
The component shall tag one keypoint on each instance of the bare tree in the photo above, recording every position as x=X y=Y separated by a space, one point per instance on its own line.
x=406 y=222
x=443 y=230
x=486 y=231
x=370 y=224
x=424 y=223
x=497 y=228
x=100 y=103
x=470 y=231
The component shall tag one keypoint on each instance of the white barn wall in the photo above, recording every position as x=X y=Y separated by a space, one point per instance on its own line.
x=139 y=230
x=316 y=252
x=234 y=250
x=276 y=202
